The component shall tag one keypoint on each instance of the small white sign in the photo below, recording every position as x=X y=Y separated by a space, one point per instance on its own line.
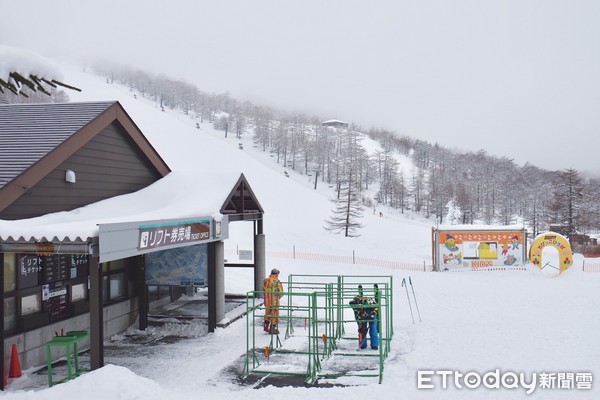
x=58 y=292
x=45 y=292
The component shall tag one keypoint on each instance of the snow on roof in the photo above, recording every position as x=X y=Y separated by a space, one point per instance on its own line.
x=475 y=227
x=167 y=198
x=202 y=178
x=334 y=121
x=26 y=63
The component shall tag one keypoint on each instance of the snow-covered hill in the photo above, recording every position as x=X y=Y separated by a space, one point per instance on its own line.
x=505 y=321
x=294 y=211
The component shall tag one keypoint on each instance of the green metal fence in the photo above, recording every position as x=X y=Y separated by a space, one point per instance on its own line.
x=316 y=311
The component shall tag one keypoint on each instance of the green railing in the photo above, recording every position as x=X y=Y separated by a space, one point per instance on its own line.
x=320 y=303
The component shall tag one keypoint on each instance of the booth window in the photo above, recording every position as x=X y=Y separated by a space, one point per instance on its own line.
x=31 y=304
x=117 y=286
x=470 y=250
x=10 y=285
x=10 y=272
x=79 y=292
x=152 y=292
x=10 y=314
x=115 y=280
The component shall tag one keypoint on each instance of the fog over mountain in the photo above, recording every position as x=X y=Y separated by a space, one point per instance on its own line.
x=516 y=79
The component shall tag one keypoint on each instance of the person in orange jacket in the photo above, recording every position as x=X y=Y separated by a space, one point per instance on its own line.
x=273 y=293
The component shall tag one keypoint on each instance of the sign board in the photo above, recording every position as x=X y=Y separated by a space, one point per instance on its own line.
x=183 y=266
x=29 y=270
x=128 y=239
x=56 y=267
x=155 y=236
x=79 y=265
x=55 y=299
x=34 y=269
x=478 y=248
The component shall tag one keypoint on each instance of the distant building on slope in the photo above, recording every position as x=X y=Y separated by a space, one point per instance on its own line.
x=335 y=123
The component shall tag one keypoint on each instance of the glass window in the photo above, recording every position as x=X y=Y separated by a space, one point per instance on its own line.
x=79 y=292
x=117 y=286
x=113 y=265
x=117 y=265
x=31 y=304
x=471 y=250
x=10 y=313
x=10 y=272
x=164 y=291
x=152 y=292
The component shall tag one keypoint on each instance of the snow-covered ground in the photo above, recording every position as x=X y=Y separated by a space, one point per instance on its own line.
x=510 y=321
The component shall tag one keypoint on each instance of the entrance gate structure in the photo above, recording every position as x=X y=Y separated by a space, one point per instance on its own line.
x=553 y=240
x=317 y=314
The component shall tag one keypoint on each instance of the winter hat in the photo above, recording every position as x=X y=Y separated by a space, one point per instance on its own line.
x=274 y=271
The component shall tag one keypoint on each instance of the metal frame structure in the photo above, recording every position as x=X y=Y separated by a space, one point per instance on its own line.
x=321 y=302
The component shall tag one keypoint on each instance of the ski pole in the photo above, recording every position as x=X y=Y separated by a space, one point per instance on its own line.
x=415 y=297
x=408 y=297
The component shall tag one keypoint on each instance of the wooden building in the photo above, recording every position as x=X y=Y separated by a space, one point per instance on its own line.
x=57 y=157
x=60 y=157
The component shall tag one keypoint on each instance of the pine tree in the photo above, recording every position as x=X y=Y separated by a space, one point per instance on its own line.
x=348 y=207
x=567 y=201
x=454 y=215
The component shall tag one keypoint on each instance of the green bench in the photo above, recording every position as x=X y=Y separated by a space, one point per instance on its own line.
x=69 y=341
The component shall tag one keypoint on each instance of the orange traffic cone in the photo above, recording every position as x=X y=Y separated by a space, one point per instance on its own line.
x=15 y=365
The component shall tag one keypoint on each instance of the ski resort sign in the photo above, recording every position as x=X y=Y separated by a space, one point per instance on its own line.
x=162 y=235
x=127 y=239
x=467 y=248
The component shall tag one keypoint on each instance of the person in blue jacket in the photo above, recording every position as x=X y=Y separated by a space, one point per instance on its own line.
x=366 y=312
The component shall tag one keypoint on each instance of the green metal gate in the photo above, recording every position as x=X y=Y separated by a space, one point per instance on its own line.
x=319 y=304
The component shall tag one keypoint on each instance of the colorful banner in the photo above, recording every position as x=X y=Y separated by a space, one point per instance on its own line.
x=455 y=249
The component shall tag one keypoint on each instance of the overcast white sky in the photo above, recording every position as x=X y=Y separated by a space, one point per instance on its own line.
x=517 y=78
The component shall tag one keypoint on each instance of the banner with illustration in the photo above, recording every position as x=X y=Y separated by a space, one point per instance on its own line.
x=458 y=249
